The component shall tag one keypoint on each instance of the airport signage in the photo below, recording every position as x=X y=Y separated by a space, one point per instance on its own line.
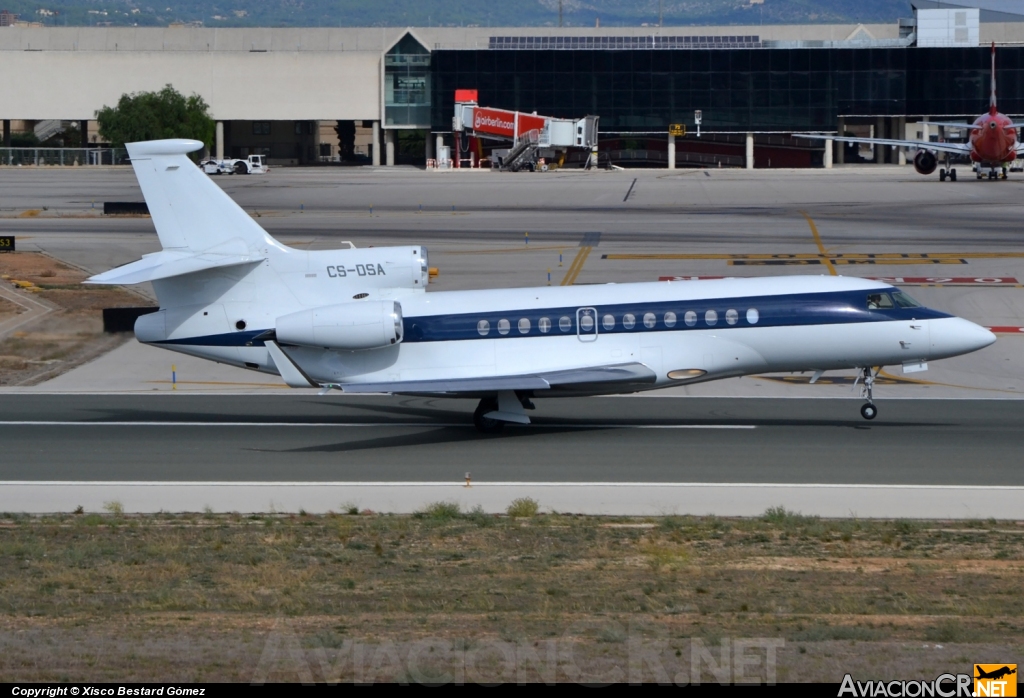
x=677 y=130
x=6 y=243
x=505 y=123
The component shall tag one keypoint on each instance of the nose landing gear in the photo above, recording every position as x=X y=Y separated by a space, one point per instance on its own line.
x=868 y=411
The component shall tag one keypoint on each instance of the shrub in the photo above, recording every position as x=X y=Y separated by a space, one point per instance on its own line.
x=440 y=511
x=523 y=508
x=115 y=507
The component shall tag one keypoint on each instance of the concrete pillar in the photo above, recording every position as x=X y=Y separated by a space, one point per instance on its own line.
x=901 y=133
x=671 y=152
x=219 y=140
x=389 y=145
x=430 y=147
x=924 y=129
x=375 y=147
x=827 y=158
x=841 y=146
x=879 y=133
x=7 y=133
x=439 y=144
x=750 y=151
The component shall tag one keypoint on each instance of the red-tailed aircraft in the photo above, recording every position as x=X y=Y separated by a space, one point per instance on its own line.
x=992 y=146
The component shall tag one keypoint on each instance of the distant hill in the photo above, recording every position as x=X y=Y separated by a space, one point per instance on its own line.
x=350 y=13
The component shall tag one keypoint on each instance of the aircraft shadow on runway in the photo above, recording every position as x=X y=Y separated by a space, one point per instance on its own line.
x=433 y=437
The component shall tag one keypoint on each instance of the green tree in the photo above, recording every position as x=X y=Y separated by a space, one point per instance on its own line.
x=145 y=116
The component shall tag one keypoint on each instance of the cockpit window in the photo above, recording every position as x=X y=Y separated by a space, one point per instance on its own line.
x=904 y=301
x=877 y=301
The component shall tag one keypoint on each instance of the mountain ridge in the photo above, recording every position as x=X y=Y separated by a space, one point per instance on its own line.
x=523 y=13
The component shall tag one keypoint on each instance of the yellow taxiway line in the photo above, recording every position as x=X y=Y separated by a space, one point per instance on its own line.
x=577 y=266
x=821 y=247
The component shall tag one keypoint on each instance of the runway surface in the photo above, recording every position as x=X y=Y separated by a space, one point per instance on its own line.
x=309 y=438
x=732 y=447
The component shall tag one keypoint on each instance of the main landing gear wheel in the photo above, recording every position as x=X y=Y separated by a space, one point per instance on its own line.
x=484 y=424
x=942 y=175
x=868 y=411
x=952 y=175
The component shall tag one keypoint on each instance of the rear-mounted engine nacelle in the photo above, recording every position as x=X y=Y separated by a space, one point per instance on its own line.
x=925 y=162
x=346 y=327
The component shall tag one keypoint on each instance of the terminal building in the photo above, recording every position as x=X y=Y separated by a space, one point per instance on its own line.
x=385 y=96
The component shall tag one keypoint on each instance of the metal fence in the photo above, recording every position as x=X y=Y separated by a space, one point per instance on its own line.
x=62 y=157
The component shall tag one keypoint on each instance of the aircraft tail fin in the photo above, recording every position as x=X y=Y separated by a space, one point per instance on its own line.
x=992 y=98
x=189 y=211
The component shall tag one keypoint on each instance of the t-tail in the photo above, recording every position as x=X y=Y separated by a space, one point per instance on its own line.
x=199 y=226
x=992 y=98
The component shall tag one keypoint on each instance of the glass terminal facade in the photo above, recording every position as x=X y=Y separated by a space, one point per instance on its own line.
x=407 y=84
x=738 y=89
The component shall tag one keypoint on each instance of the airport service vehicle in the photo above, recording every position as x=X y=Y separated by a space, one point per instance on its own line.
x=361 y=320
x=992 y=146
x=254 y=164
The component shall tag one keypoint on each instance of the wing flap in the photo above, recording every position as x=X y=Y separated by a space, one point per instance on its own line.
x=587 y=378
x=450 y=385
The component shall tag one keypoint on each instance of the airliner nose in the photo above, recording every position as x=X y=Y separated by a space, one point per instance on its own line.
x=955 y=336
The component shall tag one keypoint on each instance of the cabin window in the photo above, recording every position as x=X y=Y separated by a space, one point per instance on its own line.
x=904 y=301
x=503 y=326
x=628 y=321
x=670 y=319
x=586 y=322
x=690 y=318
x=608 y=322
x=731 y=316
x=544 y=325
x=753 y=316
x=483 y=327
x=879 y=301
x=650 y=320
x=711 y=317
x=564 y=323
x=524 y=326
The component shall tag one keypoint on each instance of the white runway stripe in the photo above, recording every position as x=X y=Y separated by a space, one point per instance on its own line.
x=466 y=424
x=484 y=484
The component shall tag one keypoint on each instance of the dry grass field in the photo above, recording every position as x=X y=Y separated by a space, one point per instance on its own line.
x=452 y=596
x=70 y=334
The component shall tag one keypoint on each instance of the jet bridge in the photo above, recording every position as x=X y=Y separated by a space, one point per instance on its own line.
x=533 y=137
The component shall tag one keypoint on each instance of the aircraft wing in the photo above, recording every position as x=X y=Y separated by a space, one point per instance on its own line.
x=969 y=127
x=580 y=379
x=962 y=148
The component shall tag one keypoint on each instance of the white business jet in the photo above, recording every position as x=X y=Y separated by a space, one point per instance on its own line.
x=361 y=321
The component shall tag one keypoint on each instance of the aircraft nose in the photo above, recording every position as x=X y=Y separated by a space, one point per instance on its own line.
x=955 y=336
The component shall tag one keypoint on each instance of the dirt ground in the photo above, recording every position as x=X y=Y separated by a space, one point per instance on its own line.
x=447 y=596
x=69 y=335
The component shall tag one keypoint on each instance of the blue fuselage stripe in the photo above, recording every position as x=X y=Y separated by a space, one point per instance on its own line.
x=793 y=310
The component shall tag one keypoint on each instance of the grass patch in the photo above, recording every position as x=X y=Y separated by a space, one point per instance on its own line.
x=74 y=587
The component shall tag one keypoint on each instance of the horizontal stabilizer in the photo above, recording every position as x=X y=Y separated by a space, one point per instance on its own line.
x=970 y=127
x=576 y=378
x=168 y=263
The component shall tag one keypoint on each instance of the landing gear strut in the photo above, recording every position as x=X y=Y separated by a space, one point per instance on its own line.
x=868 y=411
x=486 y=425
x=509 y=406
